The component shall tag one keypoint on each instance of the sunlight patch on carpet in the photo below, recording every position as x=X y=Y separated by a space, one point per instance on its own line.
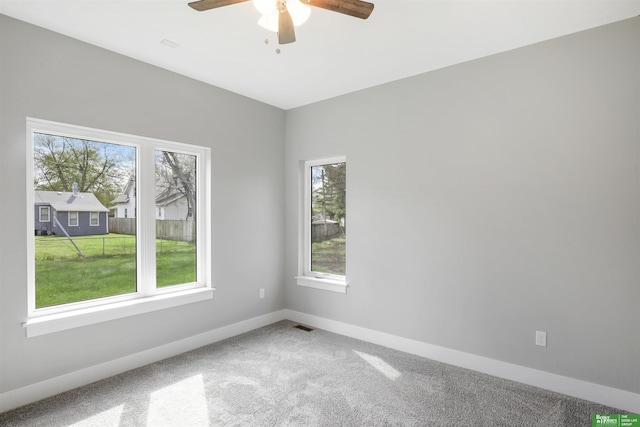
x=182 y=403
x=108 y=418
x=382 y=366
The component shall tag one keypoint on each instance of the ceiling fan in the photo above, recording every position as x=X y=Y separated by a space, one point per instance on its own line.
x=276 y=16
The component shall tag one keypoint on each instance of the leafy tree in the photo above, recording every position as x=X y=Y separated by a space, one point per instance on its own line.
x=329 y=191
x=336 y=188
x=96 y=167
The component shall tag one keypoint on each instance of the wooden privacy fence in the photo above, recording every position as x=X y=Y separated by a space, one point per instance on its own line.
x=325 y=230
x=176 y=230
x=165 y=229
x=122 y=225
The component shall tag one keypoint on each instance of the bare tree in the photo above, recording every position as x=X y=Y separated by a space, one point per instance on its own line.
x=176 y=172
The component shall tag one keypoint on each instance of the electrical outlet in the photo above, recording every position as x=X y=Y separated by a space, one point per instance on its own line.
x=541 y=338
x=261 y=293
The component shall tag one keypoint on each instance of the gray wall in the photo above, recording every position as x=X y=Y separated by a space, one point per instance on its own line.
x=491 y=199
x=52 y=77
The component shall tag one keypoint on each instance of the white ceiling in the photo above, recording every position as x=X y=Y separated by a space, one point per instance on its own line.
x=334 y=54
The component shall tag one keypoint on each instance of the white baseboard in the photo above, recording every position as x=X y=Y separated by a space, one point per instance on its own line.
x=581 y=389
x=47 y=388
x=609 y=396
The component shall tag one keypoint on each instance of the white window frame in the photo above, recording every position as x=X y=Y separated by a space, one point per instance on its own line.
x=148 y=297
x=77 y=222
x=46 y=208
x=97 y=214
x=306 y=277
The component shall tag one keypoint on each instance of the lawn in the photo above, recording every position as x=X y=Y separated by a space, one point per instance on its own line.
x=329 y=256
x=107 y=267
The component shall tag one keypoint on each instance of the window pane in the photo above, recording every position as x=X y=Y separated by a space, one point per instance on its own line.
x=328 y=218
x=44 y=214
x=175 y=218
x=73 y=219
x=79 y=256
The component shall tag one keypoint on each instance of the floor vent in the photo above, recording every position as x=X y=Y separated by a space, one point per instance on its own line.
x=304 y=328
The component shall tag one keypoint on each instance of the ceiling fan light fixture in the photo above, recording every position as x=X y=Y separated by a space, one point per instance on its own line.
x=299 y=13
x=265 y=6
x=281 y=16
x=269 y=21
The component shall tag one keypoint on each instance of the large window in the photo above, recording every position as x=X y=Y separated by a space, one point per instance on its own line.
x=324 y=216
x=84 y=270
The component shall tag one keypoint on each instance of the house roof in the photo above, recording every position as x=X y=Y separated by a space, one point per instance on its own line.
x=163 y=196
x=168 y=196
x=122 y=198
x=65 y=201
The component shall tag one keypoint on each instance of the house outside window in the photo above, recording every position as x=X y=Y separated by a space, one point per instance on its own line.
x=45 y=214
x=94 y=219
x=322 y=253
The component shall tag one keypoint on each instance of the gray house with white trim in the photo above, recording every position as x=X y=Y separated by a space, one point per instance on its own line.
x=80 y=214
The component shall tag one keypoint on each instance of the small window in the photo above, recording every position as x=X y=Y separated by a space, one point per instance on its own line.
x=73 y=219
x=45 y=215
x=125 y=213
x=323 y=261
x=94 y=219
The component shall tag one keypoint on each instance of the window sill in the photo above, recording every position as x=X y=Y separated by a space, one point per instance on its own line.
x=324 y=284
x=47 y=324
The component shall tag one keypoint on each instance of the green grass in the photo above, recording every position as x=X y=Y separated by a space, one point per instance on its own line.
x=174 y=268
x=63 y=281
x=59 y=247
x=329 y=256
x=107 y=267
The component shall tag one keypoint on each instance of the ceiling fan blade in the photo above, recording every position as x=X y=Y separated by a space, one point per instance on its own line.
x=357 y=8
x=203 y=5
x=286 y=34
